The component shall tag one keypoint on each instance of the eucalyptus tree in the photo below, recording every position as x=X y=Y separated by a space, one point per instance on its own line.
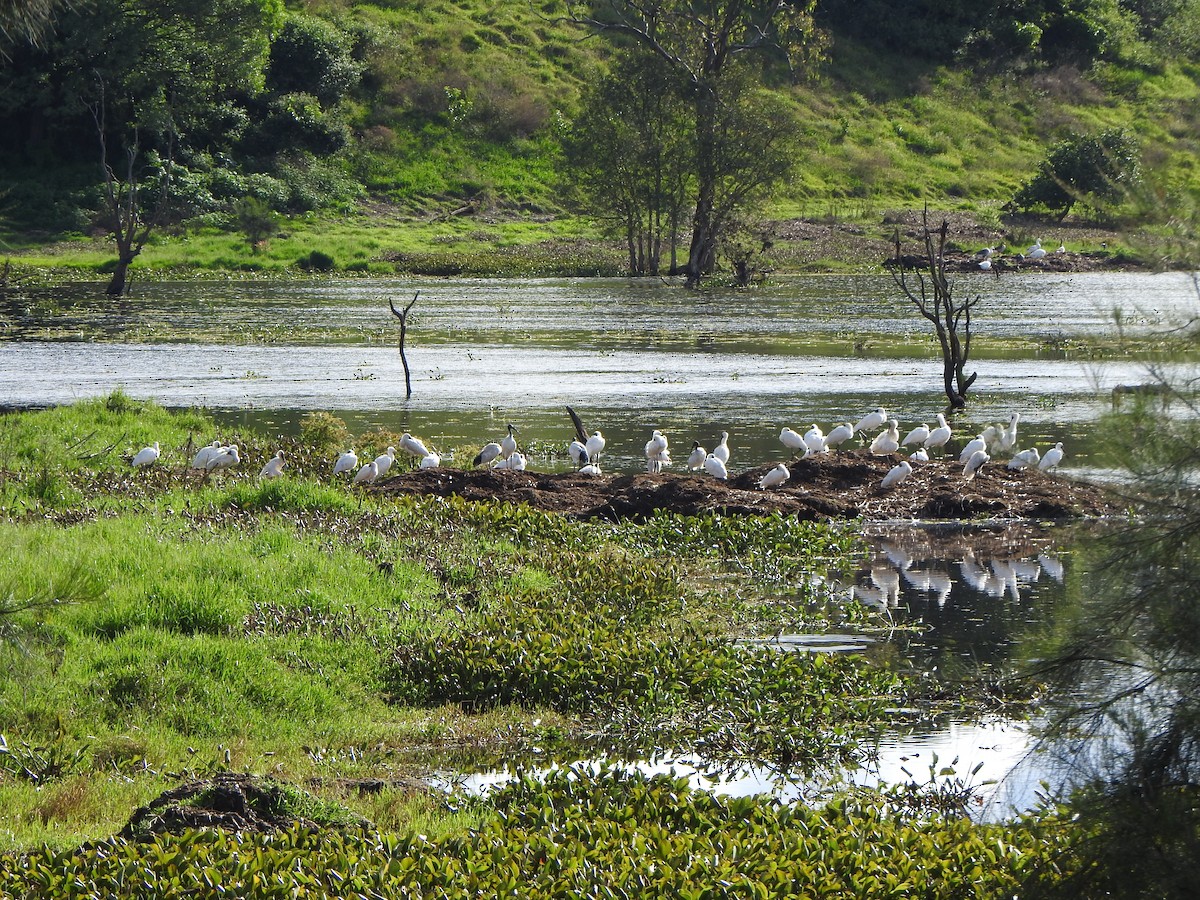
x=703 y=43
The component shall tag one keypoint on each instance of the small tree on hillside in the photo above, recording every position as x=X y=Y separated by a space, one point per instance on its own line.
x=256 y=220
x=923 y=281
x=1092 y=168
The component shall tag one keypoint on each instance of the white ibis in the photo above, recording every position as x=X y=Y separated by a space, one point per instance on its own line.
x=695 y=460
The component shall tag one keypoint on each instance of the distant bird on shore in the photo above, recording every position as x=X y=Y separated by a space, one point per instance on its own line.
x=200 y=460
x=1052 y=458
x=1025 y=459
x=973 y=445
x=508 y=443
x=274 y=466
x=594 y=445
x=916 y=436
x=839 y=436
x=793 y=440
x=578 y=453
x=147 y=456
x=487 y=454
x=977 y=461
x=367 y=474
x=939 y=436
x=432 y=461
x=410 y=444
x=896 y=474
x=225 y=458
x=1035 y=250
x=658 y=453
x=721 y=451
x=592 y=469
x=872 y=420
x=920 y=455
x=714 y=467
x=346 y=462
x=384 y=461
x=887 y=441
x=695 y=460
x=774 y=477
x=814 y=440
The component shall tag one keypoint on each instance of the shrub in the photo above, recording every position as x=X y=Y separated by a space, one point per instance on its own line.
x=1093 y=168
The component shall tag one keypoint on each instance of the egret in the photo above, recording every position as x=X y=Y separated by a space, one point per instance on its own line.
x=384 y=461
x=896 y=474
x=887 y=441
x=147 y=456
x=225 y=458
x=793 y=440
x=367 y=474
x=410 y=444
x=658 y=453
x=274 y=466
x=432 y=461
x=939 y=436
x=346 y=462
x=775 y=477
x=200 y=461
x=1052 y=458
x=839 y=435
x=508 y=443
x=978 y=443
x=814 y=439
x=715 y=467
x=578 y=453
x=487 y=454
x=920 y=455
x=721 y=451
x=916 y=436
x=872 y=420
x=594 y=445
x=695 y=460
x=590 y=469
x=974 y=464
x=1025 y=459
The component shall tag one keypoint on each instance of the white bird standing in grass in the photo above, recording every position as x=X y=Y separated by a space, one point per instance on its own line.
x=975 y=464
x=595 y=444
x=346 y=462
x=1026 y=459
x=1052 y=458
x=410 y=444
x=916 y=436
x=274 y=466
x=896 y=474
x=384 y=461
x=432 y=461
x=367 y=474
x=793 y=440
x=721 y=451
x=715 y=467
x=939 y=436
x=839 y=435
x=147 y=456
x=200 y=460
x=977 y=443
x=658 y=454
x=695 y=460
x=887 y=441
x=872 y=420
x=225 y=458
x=775 y=477
x=487 y=454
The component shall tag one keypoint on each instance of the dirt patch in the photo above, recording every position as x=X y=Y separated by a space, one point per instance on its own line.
x=830 y=486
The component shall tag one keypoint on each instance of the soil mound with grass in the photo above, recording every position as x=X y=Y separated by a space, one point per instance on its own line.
x=829 y=486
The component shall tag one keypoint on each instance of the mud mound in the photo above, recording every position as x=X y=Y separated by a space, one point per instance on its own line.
x=831 y=486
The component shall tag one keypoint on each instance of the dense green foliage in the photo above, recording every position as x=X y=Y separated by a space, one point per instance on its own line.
x=1096 y=169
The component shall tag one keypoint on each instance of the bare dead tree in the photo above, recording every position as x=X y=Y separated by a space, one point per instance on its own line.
x=402 y=315
x=923 y=281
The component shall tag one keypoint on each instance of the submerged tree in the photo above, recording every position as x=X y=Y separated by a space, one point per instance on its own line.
x=923 y=281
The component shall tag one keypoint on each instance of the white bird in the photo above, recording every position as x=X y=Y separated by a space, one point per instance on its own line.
x=274 y=466
x=346 y=462
x=985 y=264
x=1062 y=248
x=590 y=469
x=508 y=443
x=715 y=467
x=896 y=474
x=977 y=443
x=985 y=253
x=695 y=460
x=916 y=436
x=1036 y=250
x=974 y=464
x=384 y=461
x=147 y=456
x=1052 y=457
x=487 y=454
x=658 y=453
x=1007 y=438
x=594 y=445
x=814 y=440
x=1025 y=459
x=839 y=435
x=939 y=436
x=367 y=474
x=872 y=420
x=432 y=461
x=415 y=446
x=578 y=453
x=200 y=460
x=920 y=455
x=775 y=477
x=793 y=440
x=721 y=451
x=225 y=458
x=516 y=462
x=887 y=441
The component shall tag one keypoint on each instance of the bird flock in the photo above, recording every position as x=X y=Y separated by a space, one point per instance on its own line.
x=876 y=430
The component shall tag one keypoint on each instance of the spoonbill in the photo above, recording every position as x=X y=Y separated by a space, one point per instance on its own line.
x=1036 y=250
x=920 y=455
x=225 y=458
x=814 y=439
x=367 y=474
x=714 y=467
x=793 y=440
x=916 y=436
x=147 y=456
x=839 y=435
x=1007 y=439
x=974 y=464
x=977 y=443
x=274 y=466
x=590 y=469
x=896 y=474
x=410 y=444
x=516 y=462
x=939 y=436
x=887 y=441
x=346 y=462
x=774 y=477
x=384 y=461
x=1052 y=457
x=695 y=460
x=658 y=453
x=872 y=420
x=721 y=451
x=594 y=445
x=1025 y=459
x=432 y=461
x=200 y=460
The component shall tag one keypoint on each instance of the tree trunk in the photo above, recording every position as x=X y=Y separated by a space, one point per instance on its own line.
x=704 y=238
x=117 y=284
